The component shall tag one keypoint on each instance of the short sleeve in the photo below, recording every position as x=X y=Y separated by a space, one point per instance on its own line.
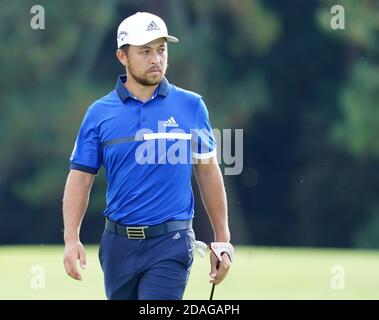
x=87 y=155
x=203 y=140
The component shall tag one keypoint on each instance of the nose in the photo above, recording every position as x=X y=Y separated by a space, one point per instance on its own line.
x=155 y=58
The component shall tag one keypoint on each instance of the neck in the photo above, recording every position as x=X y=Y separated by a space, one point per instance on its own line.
x=141 y=92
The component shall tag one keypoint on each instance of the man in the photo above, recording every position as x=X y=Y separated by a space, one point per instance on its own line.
x=146 y=250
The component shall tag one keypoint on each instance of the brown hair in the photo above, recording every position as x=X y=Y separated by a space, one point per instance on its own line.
x=124 y=48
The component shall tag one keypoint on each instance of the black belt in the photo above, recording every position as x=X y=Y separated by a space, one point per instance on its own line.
x=144 y=232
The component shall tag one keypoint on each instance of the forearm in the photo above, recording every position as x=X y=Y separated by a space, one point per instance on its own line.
x=213 y=195
x=75 y=203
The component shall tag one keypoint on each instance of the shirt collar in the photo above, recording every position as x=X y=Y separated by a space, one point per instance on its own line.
x=124 y=93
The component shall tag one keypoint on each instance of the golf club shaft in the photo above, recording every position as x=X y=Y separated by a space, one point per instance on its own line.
x=212 y=291
x=214 y=285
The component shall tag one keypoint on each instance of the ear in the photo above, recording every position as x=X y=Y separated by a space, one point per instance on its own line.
x=122 y=57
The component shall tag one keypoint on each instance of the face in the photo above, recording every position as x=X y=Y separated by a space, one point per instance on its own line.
x=146 y=64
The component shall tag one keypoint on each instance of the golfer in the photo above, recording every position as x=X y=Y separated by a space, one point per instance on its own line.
x=147 y=134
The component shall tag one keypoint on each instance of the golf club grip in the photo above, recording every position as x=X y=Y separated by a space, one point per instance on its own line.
x=214 y=285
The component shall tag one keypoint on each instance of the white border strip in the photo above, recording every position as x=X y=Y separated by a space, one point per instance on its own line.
x=167 y=135
x=204 y=155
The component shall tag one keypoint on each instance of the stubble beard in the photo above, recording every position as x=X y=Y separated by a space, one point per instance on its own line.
x=145 y=81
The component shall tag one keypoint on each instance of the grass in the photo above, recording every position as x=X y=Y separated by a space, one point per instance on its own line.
x=258 y=273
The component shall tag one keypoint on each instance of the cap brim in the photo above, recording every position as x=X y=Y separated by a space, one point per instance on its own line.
x=172 y=39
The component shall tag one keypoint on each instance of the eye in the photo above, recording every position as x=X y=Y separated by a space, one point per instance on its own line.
x=145 y=51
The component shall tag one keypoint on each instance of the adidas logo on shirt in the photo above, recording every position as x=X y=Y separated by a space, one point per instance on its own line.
x=152 y=26
x=171 y=123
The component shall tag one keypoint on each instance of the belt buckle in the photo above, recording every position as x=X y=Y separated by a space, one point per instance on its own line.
x=136 y=232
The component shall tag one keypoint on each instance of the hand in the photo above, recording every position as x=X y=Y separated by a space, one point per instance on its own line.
x=219 y=269
x=74 y=251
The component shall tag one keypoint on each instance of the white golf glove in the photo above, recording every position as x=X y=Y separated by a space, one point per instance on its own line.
x=218 y=248
x=201 y=247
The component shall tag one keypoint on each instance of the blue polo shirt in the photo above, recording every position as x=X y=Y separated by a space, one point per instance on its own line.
x=146 y=149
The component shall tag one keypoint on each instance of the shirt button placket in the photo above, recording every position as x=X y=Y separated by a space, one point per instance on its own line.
x=143 y=118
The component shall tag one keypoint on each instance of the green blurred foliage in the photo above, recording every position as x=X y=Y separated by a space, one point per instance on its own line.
x=361 y=22
x=359 y=98
x=357 y=127
x=305 y=94
x=219 y=44
x=49 y=78
x=44 y=94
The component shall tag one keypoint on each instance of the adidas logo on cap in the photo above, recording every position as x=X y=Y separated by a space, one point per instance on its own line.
x=171 y=123
x=152 y=26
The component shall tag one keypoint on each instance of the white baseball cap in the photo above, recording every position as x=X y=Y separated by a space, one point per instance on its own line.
x=141 y=28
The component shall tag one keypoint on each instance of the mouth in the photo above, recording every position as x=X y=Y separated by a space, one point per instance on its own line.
x=154 y=70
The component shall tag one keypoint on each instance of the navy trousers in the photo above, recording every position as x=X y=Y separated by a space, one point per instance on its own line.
x=150 y=269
